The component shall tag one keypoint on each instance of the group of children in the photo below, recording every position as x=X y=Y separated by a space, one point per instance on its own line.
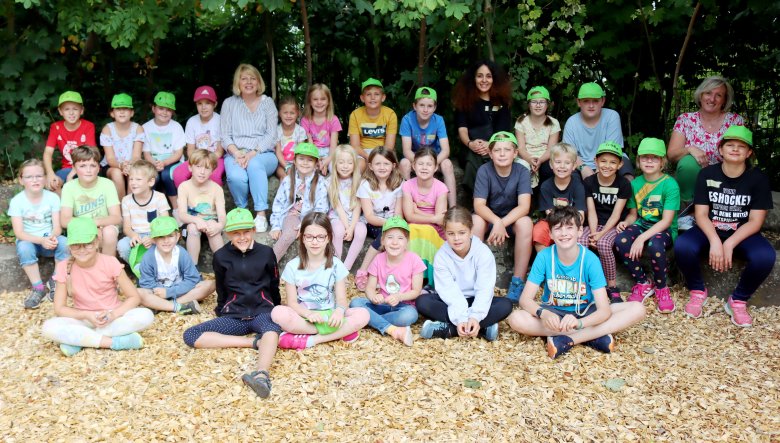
x=324 y=200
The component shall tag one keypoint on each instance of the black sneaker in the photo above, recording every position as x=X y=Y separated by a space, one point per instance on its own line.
x=614 y=294
x=605 y=343
x=438 y=329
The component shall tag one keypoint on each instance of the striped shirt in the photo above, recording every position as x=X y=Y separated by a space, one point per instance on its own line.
x=248 y=130
x=141 y=215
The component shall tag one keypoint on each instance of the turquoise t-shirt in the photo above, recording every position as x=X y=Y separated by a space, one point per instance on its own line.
x=568 y=288
x=36 y=219
x=651 y=199
x=316 y=289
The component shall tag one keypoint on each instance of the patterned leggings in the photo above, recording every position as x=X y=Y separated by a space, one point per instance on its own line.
x=655 y=249
x=260 y=324
x=606 y=248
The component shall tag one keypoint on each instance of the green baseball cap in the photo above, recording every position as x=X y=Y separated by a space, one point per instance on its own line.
x=135 y=257
x=239 y=218
x=306 y=148
x=81 y=230
x=610 y=147
x=741 y=133
x=425 y=92
x=652 y=146
x=70 y=96
x=122 y=101
x=538 y=92
x=590 y=90
x=371 y=82
x=162 y=226
x=503 y=136
x=395 y=222
x=165 y=100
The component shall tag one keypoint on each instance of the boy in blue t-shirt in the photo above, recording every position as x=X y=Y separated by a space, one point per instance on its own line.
x=423 y=128
x=574 y=307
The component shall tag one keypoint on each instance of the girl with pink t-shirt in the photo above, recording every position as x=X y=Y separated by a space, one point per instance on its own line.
x=98 y=318
x=395 y=280
x=321 y=124
x=424 y=197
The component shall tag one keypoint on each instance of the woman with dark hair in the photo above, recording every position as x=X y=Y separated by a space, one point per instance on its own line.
x=482 y=98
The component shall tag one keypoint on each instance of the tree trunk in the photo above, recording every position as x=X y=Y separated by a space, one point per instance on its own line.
x=269 y=45
x=151 y=65
x=421 y=53
x=489 y=29
x=680 y=59
x=10 y=27
x=306 y=44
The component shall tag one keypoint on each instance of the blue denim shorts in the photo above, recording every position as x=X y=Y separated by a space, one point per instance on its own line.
x=28 y=252
x=562 y=313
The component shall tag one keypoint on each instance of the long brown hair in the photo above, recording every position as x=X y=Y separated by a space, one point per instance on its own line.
x=314 y=180
x=466 y=94
x=318 y=219
x=395 y=179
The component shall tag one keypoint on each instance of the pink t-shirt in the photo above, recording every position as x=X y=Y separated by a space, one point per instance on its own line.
x=426 y=202
x=320 y=134
x=689 y=125
x=94 y=288
x=398 y=278
x=64 y=140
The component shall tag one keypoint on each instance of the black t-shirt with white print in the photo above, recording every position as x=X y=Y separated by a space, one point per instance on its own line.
x=605 y=197
x=731 y=199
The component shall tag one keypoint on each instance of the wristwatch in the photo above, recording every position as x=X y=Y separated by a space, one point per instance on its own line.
x=539 y=312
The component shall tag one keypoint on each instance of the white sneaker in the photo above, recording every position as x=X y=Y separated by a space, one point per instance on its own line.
x=261 y=224
x=685 y=223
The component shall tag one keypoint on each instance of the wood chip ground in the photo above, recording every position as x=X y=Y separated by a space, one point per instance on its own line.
x=682 y=380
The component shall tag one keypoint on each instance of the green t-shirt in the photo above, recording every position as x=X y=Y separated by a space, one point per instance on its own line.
x=90 y=202
x=651 y=199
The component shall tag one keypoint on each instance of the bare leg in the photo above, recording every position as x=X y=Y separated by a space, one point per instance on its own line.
x=522 y=228
x=116 y=176
x=448 y=173
x=33 y=272
x=266 y=348
x=110 y=236
x=406 y=168
x=371 y=253
x=193 y=242
x=480 y=227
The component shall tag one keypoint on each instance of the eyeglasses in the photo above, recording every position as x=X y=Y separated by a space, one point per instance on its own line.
x=319 y=238
x=87 y=246
x=32 y=177
x=538 y=102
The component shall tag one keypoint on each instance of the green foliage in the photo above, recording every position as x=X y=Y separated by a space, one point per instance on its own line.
x=6 y=229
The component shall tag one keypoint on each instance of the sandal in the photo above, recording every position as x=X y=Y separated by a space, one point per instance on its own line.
x=257 y=339
x=258 y=381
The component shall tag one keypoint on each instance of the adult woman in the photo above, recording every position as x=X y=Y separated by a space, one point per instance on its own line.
x=249 y=136
x=694 y=142
x=482 y=98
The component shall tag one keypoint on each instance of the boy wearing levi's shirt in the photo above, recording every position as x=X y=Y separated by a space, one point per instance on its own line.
x=372 y=125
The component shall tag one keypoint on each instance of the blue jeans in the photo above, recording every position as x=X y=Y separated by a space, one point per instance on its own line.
x=253 y=179
x=759 y=254
x=165 y=182
x=29 y=252
x=384 y=316
x=63 y=174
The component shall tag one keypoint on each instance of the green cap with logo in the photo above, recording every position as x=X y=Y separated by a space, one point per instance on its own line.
x=395 y=222
x=239 y=218
x=610 y=147
x=425 y=92
x=122 y=101
x=738 y=132
x=162 y=226
x=306 y=148
x=538 y=92
x=590 y=90
x=652 y=146
x=81 y=230
x=371 y=82
x=70 y=96
x=165 y=100
x=503 y=136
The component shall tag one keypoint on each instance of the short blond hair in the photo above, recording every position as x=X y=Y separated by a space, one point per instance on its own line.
x=143 y=167
x=200 y=156
x=247 y=68
x=563 y=149
x=713 y=82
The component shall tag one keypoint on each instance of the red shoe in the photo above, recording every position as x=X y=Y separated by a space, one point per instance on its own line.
x=293 y=341
x=351 y=337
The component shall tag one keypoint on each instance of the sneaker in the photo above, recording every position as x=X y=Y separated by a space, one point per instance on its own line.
x=127 y=342
x=33 y=300
x=293 y=341
x=404 y=335
x=614 y=294
x=258 y=381
x=558 y=345
x=605 y=343
x=685 y=223
x=438 y=329
x=694 y=306
x=516 y=287
x=663 y=301
x=738 y=312
x=261 y=224
x=351 y=337
x=641 y=291
x=490 y=333
x=361 y=280
x=52 y=288
x=70 y=350
x=189 y=308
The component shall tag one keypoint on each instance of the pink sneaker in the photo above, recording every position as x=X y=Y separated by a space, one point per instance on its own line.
x=641 y=291
x=351 y=337
x=696 y=303
x=361 y=280
x=293 y=341
x=663 y=301
x=738 y=312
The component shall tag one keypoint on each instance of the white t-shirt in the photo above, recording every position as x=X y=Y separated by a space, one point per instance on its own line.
x=316 y=289
x=383 y=202
x=162 y=141
x=202 y=135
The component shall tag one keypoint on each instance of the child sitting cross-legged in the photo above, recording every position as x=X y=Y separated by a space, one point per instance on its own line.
x=399 y=275
x=169 y=279
x=574 y=307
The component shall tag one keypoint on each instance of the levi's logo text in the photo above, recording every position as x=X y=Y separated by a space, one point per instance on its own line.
x=372 y=130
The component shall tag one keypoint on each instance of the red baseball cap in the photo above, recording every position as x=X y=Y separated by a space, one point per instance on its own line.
x=205 y=93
